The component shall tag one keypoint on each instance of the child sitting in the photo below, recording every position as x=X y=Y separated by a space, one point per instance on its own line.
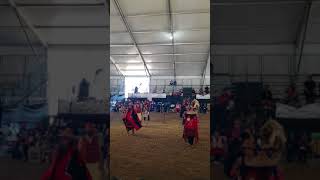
x=218 y=147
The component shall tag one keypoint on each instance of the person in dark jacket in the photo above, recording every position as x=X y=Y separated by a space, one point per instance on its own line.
x=309 y=90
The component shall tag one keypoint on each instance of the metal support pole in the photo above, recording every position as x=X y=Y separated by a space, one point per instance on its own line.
x=304 y=34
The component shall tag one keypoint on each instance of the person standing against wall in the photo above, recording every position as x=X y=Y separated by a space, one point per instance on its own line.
x=309 y=88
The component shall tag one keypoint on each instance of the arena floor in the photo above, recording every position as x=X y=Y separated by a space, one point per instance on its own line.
x=158 y=151
x=292 y=171
x=19 y=170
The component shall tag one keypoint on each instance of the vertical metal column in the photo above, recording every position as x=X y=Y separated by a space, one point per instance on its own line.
x=304 y=34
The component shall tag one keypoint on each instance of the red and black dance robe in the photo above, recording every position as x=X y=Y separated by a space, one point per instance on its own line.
x=178 y=108
x=138 y=110
x=69 y=167
x=131 y=120
x=191 y=128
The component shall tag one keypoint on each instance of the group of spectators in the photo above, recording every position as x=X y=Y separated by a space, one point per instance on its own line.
x=234 y=129
x=83 y=152
x=309 y=92
x=34 y=144
x=83 y=155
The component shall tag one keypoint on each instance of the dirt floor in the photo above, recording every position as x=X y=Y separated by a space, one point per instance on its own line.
x=19 y=170
x=293 y=171
x=158 y=151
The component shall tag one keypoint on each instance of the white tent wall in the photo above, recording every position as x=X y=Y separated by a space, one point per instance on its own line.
x=21 y=70
x=66 y=68
x=158 y=83
x=76 y=33
x=261 y=41
x=271 y=64
x=117 y=85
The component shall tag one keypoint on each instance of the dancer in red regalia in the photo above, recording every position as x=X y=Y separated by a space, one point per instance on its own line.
x=67 y=163
x=146 y=111
x=190 y=132
x=138 y=110
x=131 y=119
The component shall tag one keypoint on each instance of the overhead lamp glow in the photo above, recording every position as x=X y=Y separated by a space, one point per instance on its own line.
x=133 y=61
x=134 y=73
x=170 y=37
x=133 y=67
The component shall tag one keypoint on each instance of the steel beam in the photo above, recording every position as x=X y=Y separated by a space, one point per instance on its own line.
x=204 y=71
x=17 y=28
x=60 y=4
x=116 y=66
x=301 y=40
x=95 y=27
x=160 y=31
x=164 y=62
x=157 y=69
x=255 y=3
x=160 y=54
x=21 y=15
x=172 y=38
x=104 y=44
x=123 y=17
x=166 y=13
x=107 y=6
x=159 y=44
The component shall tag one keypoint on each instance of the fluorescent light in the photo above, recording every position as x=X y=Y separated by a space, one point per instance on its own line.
x=133 y=61
x=169 y=35
x=134 y=73
x=130 y=67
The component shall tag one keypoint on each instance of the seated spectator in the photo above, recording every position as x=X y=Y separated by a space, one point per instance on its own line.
x=266 y=93
x=292 y=95
x=236 y=130
x=304 y=147
x=309 y=90
x=218 y=146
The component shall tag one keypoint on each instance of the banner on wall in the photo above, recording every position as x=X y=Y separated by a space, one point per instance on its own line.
x=149 y=96
x=88 y=106
x=310 y=111
x=25 y=114
x=207 y=96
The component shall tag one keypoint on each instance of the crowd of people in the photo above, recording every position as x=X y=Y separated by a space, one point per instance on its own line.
x=76 y=156
x=309 y=92
x=72 y=152
x=240 y=134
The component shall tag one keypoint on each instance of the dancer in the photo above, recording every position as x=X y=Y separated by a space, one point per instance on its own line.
x=260 y=160
x=146 y=112
x=67 y=162
x=184 y=108
x=190 y=132
x=90 y=146
x=131 y=119
x=195 y=105
x=138 y=110
x=178 y=108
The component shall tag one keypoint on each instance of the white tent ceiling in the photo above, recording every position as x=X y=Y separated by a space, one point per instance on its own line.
x=55 y=22
x=271 y=41
x=150 y=22
x=76 y=33
x=262 y=22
